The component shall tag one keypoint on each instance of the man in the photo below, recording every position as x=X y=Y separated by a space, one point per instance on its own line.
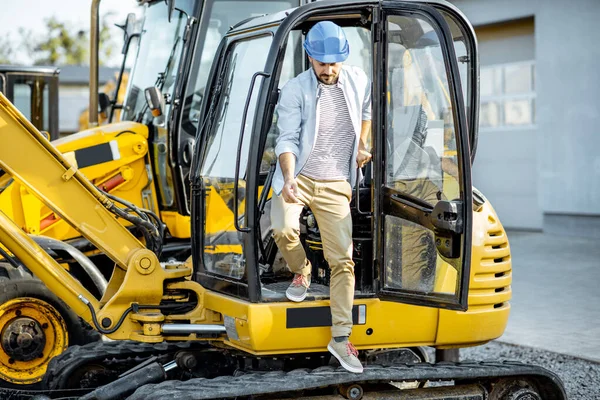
x=324 y=120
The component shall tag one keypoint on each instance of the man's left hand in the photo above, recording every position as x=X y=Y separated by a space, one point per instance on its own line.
x=363 y=158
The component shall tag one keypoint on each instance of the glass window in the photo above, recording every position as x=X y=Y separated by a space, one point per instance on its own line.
x=412 y=247
x=73 y=100
x=223 y=252
x=22 y=98
x=518 y=112
x=293 y=60
x=518 y=79
x=221 y=15
x=157 y=60
x=359 y=40
x=463 y=57
x=46 y=97
x=420 y=121
x=489 y=114
x=491 y=81
x=507 y=96
x=421 y=154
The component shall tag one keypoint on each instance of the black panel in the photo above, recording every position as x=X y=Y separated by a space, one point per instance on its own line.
x=93 y=155
x=311 y=317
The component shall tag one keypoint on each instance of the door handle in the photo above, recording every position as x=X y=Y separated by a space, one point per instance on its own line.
x=447 y=216
x=420 y=205
x=444 y=216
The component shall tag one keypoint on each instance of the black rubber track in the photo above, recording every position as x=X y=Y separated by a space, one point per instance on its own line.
x=261 y=383
x=249 y=384
x=62 y=367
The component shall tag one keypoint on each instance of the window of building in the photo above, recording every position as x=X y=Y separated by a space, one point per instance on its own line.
x=507 y=97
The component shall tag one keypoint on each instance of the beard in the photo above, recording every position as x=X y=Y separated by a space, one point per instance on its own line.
x=326 y=79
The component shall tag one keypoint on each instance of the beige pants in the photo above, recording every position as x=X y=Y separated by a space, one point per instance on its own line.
x=330 y=203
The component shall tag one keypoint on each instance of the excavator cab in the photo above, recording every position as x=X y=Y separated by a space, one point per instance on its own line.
x=34 y=90
x=177 y=46
x=412 y=213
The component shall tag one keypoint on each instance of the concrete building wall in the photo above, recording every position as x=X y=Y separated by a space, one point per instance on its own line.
x=569 y=106
x=566 y=148
x=505 y=169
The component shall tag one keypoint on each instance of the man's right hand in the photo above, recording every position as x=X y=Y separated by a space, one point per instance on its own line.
x=290 y=190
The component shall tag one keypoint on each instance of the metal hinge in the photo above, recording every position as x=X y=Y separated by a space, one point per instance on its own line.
x=69 y=173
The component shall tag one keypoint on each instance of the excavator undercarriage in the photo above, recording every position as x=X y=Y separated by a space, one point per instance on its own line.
x=207 y=372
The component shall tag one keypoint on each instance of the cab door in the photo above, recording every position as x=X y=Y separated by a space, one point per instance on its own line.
x=422 y=170
x=222 y=250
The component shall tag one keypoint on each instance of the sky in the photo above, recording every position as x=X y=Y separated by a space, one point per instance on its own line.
x=31 y=14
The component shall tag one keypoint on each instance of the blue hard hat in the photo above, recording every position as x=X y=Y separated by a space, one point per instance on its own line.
x=326 y=42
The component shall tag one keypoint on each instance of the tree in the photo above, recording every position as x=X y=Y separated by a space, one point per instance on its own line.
x=7 y=50
x=61 y=45
x=64 y=45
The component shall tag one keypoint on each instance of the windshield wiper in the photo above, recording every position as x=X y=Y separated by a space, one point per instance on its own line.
x=162 y=76
x=224 y=100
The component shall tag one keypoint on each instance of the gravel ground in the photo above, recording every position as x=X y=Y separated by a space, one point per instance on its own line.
x=580 y=377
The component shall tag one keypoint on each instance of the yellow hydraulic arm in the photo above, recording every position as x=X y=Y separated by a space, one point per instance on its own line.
x=138 y=277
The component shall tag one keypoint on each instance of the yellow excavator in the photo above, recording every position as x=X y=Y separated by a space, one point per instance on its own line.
x=433 y=264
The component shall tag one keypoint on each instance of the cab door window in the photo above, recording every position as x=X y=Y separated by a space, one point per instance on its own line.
x=465 y=50
x=223 y=244
x=420 y=254
x=22 y=98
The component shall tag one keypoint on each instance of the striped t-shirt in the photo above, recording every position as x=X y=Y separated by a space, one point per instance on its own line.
x=330 y=157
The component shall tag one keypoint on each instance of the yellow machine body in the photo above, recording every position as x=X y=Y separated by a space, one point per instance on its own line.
x=115 y=158
x=255 y=328
x=261 y=328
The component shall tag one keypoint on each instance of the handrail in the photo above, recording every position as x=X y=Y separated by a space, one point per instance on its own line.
x=357 y=198
x=239 y=152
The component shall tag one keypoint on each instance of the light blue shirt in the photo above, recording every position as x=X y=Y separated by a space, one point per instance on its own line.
x=297 y=113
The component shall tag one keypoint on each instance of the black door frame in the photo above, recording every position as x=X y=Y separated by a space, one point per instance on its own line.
x=459 y=301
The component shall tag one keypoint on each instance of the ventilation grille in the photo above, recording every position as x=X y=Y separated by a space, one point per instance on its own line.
x=491 y=269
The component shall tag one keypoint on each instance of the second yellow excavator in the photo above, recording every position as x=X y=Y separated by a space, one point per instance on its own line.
x=142 y=160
